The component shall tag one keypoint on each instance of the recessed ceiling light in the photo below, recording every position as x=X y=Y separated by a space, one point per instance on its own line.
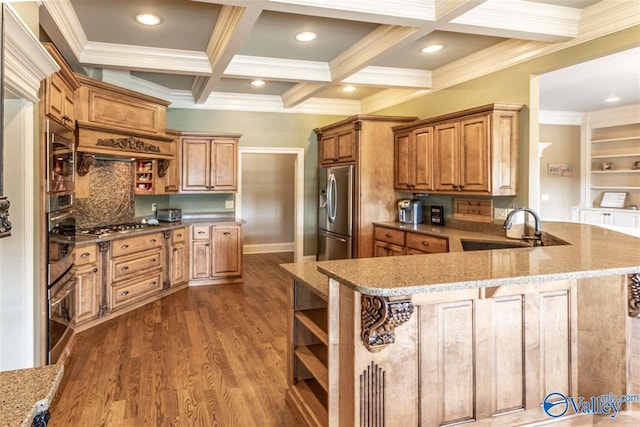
x=305 y=36
x=612 y=99
x=258 y=83
x=432 y=48
x=349 y=88
x=148 y=19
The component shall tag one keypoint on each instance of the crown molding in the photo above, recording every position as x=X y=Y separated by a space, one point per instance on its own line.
x=607 y=17
x=278 y=69
x=508 y=18
x=66 y=19
x=300 y=92
x=27 y=61
x=626 y=114
x=555 y=117
x=144 y=58
x=388 y=98
x=388 y=76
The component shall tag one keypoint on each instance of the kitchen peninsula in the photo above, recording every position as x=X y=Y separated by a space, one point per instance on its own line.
x=454 y=337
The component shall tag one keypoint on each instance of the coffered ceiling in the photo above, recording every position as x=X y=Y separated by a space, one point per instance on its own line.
x=205 y=53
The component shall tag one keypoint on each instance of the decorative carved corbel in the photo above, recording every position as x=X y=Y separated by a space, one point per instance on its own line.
x=5 y=224
x=357 y=125
x=634 y=295
x=85 y=160
x=163 y=166
x=380 y=318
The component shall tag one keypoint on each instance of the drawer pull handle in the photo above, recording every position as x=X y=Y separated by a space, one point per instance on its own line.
x=200 y=232
x=207 y=244
x=179 y=235
x=152 y=284
x=125 y=268
x=125 y=293
x=124 y=246
x=152 y=261
x=152 y=241
x=95 y=270
x=226 y=233
x=425 y=243
x=84 y=255
x=175 y=249
x=388 y=236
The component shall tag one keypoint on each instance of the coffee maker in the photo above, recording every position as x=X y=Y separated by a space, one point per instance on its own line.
x=410 y=211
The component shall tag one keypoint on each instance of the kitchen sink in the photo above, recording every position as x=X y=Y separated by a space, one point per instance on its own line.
x=484 y=245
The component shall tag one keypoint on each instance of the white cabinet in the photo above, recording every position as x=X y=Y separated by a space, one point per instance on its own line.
x=628 y=219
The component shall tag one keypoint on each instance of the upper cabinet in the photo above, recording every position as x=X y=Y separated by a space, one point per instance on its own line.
x=59 y=92
x=209 y=163
x=338 y=146
x=472 y=151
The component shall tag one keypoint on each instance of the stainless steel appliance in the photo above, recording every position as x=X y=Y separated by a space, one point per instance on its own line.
x=109 y=230
x=170 y=215
x=335 y=213
x=61 y=279
x=410 y=211
x=60 y=173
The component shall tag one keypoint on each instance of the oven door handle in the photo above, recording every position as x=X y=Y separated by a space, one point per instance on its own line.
x=59 y=217
x=66 y=291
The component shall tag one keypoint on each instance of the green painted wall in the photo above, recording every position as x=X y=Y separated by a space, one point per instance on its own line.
x=258 y=130
x=512 y=86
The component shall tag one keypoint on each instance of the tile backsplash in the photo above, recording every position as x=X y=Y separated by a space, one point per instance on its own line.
x=111 y=199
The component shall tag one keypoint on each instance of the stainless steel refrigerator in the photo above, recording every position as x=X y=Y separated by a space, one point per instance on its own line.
x=335 y=212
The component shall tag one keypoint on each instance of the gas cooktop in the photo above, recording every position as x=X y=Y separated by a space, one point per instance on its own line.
x=108 y=230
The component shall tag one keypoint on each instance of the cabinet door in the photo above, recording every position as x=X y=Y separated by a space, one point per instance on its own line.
x=55 y=103
x=328 y=149
x=224 y=155
x=179 y=259
x=347 y=147
x=227 y=254
x=200 y=259
x=382 y=249
x=423 y=158
x=474 y=155
x=446 y=156
x=69 y=109
x=624 y=219
x=404 y=176
x=594 y=217
x=87 y=293
x=196 y=162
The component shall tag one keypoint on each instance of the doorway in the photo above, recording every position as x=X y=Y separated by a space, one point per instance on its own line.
x=270 y=199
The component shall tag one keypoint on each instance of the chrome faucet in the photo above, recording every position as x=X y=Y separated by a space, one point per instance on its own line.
x=537 y=235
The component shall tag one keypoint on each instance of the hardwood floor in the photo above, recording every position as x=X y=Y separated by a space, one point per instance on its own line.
x=204 y=356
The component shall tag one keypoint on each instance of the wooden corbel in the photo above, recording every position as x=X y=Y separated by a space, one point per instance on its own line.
x=380 y=318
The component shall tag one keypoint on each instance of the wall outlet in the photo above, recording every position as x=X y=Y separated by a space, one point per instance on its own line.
x=499 y=213
x=228 y=204
x=154 y=207
x=544 y=197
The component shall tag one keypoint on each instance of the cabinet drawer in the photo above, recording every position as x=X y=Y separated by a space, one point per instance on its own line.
x=125 y=267
x=136 y=244
x=389 y=235
x=201 y=232
x=134 y=290
x=424 y=243
x=179 y=235
x=86 y=254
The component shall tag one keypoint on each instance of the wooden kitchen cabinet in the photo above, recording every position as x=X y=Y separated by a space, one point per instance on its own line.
x=216 y=254
x=472 y=151
x=338 y=147
x=179 y=257
x=59 y=92
x=394 y=242
x=88 y=285
x=209 y=163
x=383 y=249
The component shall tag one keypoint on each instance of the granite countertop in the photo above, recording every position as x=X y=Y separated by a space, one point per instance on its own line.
x=25 y=392
x=308 y=274
x=186 y=222
x=592 y=252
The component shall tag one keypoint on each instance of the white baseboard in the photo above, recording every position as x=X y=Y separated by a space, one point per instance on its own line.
x=267 y=248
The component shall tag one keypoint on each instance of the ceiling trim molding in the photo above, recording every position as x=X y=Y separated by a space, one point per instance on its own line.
x=278 y=69
x=27 y=61
x=232 y=27
x=389 y=76
x=300 y=93
x=555 y=117
x=388 y=98
x=549 y=22
x=616 y=116
x=66 y=19
x=144 y=58
x=608 y=17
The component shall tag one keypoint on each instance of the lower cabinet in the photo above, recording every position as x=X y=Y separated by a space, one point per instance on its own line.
x=216 y=253
x=393 y=242
x=88 y=283
x=179 y=257
x=613 y=217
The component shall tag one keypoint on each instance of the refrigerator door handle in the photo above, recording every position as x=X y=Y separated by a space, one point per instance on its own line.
x=333 y=210
x=336 y=238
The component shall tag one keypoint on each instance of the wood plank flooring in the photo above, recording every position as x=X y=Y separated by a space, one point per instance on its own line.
x=204 y=356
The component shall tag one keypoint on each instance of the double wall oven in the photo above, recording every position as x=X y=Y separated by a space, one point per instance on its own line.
x=61 y=236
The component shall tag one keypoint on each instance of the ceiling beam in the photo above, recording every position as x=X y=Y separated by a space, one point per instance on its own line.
x=389 y=76
x=232 y=28
x=245 y=66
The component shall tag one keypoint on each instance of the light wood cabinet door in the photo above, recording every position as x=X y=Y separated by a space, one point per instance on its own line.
x=328 y=149
x=227 y=252
x=87 y=292
x=196 y=162
x=404 y=170
x=223 y=175
x=59 y=104
x=423 y=159
x=474 y=155
x=446 y=155
x=179 y=264
x=347 y=147
x=338 y=147
x=200 y=259
x=382 y=249
x=69 y=116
